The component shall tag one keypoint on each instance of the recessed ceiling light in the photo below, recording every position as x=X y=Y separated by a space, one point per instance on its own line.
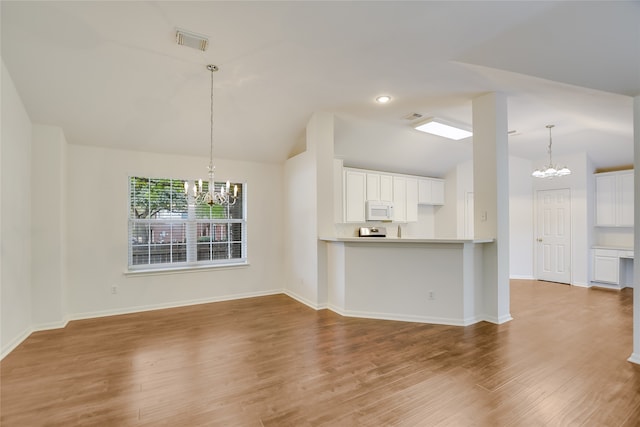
x=442 y=128
x=383 y=99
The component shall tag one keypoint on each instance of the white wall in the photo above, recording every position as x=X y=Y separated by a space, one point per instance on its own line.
x=578 y=184
x=49 y=234
x=15 y=217
x=97 y=233
x=300 y=250
x=521 y=239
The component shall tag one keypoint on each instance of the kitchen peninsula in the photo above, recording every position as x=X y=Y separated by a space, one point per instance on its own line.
x=419 y=280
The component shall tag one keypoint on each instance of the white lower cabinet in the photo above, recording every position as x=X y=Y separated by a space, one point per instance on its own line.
x=606 y=266
x=612 y=267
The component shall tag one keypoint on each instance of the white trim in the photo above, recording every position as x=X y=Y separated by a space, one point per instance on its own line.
x=16 y=342
x=304 y=300
x=521 y=277
x=151 y=307
x=635 y=358
x=498 y=320
x=582 y=285
x=403 y=318
x=51 y=325
x=187 y=269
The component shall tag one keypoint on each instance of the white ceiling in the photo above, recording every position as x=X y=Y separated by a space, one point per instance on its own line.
x=110 y=74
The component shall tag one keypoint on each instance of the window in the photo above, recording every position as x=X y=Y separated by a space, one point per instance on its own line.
x=166 y=231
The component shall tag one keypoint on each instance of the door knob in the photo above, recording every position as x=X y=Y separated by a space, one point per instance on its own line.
x=539 y=239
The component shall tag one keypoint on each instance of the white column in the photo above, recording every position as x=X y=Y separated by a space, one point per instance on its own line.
x=635 y=356
x=491 y=201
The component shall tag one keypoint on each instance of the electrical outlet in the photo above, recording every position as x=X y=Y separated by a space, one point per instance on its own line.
x=432 y=295
x=114 y=289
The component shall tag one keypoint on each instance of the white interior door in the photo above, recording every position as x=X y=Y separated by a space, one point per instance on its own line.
x=553 y=242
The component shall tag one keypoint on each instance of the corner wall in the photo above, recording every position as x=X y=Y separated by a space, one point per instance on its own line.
x=15 y=217
x=48 y=228
x=309 y=214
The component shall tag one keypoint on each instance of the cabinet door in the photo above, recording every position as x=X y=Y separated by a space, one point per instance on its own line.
x=412 y=200
x=373 y=186
x=399 y=199
x=437 y=192
x=430 y=191
x=606 y=200
x=386 y=188
x=424 y=191
x=355 y=184
x=606 y=268
x=625 y=199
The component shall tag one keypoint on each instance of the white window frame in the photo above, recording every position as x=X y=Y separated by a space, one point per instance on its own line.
x=190 y=227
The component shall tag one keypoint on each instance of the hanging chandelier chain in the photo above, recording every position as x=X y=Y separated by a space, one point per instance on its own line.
x=196 y=193
x=212 y=69
x=549 y=127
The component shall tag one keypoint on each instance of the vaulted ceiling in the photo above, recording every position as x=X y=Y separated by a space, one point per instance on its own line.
x=111 y=74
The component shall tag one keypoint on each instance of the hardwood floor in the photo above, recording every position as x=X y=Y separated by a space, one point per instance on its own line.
x=272 y=361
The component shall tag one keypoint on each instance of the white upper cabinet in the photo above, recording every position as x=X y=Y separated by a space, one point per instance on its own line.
x=355 y=188
x=430 y=191
x=625 y=199
x=614 y=199
x=379 y=187
x=405 y=191
x=412 y=199
x=399 y=199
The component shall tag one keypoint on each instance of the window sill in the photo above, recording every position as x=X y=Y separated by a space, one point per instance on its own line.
x=179 y=270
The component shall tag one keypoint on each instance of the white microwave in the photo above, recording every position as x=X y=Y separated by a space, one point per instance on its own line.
x=378 y=211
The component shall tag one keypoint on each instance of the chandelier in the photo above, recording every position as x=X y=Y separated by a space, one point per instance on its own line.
x=211 y=196
x=551 y=170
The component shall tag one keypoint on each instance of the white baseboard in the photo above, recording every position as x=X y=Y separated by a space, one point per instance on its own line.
x=498 y=320
x=16 y=342
x=635 y=358
x=521 y=277
x=581 y=284
x=304 y=300
x=185 y=303
x=51 y=325
x=400 y=318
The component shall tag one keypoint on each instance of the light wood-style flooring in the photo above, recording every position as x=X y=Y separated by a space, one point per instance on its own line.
x=271 y=361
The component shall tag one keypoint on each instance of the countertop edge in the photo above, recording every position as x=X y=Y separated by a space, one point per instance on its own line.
x=400 y=240
x=615 y=248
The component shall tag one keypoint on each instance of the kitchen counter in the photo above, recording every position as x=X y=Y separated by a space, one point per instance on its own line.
x=418 y=280
x=618 y=248
x=401 y=240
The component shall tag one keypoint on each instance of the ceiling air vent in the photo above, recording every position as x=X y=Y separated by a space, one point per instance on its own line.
x=196 y=41
x=413 y=116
